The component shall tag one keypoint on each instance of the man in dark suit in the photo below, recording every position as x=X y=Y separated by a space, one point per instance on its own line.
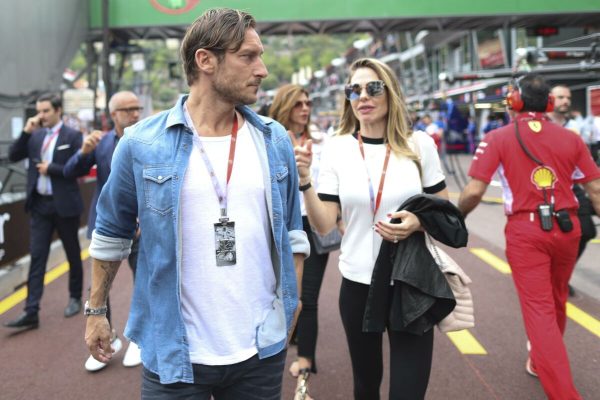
x=98 y=148
x=54 y=202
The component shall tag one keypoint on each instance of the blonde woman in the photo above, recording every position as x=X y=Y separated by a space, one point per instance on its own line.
x=291 y=107
x=367 y=170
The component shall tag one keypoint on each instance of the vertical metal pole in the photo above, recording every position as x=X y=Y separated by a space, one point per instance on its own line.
x=105 y=55
x=120 y=72
x=92 y=76
x=416 y=78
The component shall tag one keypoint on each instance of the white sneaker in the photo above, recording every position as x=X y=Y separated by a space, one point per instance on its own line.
x=93 y=365
x=132 y=356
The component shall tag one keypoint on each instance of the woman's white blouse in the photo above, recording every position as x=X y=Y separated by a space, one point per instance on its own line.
x=343 y=174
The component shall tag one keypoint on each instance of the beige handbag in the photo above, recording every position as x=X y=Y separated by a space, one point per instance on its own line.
x=462 y=317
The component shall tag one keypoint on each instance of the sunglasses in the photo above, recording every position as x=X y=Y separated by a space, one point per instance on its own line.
x=374 y=89
x=130 y=110
x=301 y=103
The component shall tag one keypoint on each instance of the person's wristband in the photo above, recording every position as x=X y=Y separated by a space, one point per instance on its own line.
x=307 y=179
x=87 y=310
x=305 y=187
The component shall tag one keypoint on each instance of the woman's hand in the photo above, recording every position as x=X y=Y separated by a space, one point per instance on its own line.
x=303 y=161
x=395 y=232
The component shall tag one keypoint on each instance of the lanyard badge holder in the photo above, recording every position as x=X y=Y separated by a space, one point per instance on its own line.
x=225 y=252
x=545 y=212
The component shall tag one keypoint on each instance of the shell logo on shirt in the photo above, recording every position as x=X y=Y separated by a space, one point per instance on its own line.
x=543 y=178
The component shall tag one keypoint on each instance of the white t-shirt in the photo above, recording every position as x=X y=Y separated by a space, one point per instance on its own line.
x=223 y=306
x=343 y=177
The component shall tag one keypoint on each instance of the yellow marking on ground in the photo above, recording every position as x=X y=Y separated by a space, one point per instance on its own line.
x=584 y=319
x=595 y=240
x=573 y=312
x=13 y=300
x=466 y=342
x=492 y=260
x=21 y=294
x=489 y=199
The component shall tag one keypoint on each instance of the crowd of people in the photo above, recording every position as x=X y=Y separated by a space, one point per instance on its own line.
x=218 y=209
x=474 y=127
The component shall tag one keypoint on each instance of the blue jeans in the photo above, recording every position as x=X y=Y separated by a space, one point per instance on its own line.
x=253 y=379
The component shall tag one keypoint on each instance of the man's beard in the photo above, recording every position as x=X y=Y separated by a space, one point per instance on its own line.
x=232 y=93
x=563 y=110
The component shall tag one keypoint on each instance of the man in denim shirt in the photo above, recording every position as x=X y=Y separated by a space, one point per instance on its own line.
x=216 y=191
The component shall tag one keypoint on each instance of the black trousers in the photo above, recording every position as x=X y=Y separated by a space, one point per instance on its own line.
x=307 y=327
x=410 y=355
x=253 y=379
x=585 y=212
x=43 y=222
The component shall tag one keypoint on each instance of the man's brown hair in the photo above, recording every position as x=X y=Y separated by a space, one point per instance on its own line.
x=218 y=30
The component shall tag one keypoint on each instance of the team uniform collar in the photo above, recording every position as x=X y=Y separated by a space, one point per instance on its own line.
x=531 y=115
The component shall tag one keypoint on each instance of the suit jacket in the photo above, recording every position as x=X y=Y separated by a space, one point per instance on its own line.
x=80 y=165
x=67 y=198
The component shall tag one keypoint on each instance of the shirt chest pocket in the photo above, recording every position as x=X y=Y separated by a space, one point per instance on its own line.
x=280 y=178
x=158 y=188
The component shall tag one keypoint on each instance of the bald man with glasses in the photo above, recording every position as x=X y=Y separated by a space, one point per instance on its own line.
x=97 y=149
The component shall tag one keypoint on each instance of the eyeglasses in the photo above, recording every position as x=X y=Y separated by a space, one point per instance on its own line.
x=374 y=89
x=130 y=110
x=301 y=103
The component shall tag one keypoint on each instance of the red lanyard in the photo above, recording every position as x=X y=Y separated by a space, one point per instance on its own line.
x=234 y=131
x=221 y=194
x=295 y=141
x=375 y=202
x=48 y=140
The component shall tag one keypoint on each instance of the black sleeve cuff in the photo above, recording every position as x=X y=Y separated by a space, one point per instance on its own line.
x=438 y=187
x=329 y=197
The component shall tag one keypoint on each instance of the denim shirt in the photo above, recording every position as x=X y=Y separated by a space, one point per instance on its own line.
x=147 y=173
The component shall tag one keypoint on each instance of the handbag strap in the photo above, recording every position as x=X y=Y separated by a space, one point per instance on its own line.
x=436 y=256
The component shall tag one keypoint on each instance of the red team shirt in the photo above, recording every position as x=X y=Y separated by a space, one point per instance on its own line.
x=565 y=156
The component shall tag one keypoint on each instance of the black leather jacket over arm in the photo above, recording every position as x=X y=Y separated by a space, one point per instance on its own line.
x=420 y=296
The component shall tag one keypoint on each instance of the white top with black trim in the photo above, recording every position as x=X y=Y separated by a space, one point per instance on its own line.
x=343 y=179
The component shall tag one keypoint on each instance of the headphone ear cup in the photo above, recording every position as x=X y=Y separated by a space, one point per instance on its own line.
x=550 y=105
x=514 y=100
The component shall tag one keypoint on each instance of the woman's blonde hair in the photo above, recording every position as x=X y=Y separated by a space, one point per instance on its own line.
x=398 y=130
x=284 y=102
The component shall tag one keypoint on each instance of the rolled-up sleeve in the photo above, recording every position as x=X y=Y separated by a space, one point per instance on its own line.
x=108 y=248
x=116 y=220
x=297 y=236
x=299 y=242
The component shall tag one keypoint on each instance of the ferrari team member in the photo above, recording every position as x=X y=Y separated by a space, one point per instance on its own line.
x=539 y=161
